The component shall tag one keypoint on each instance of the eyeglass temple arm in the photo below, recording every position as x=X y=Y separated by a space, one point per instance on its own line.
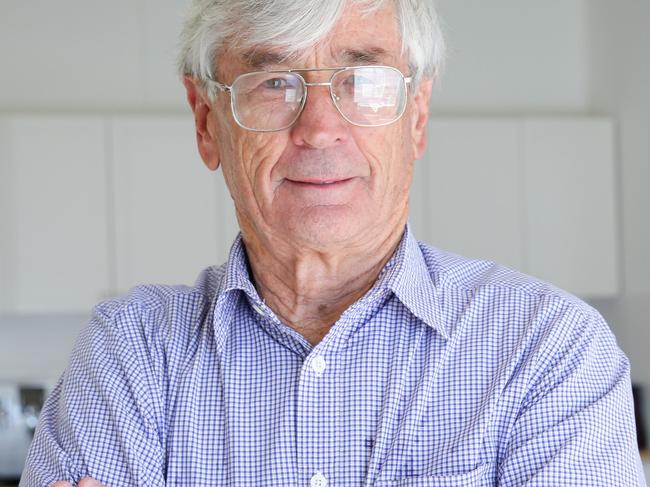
x=219 y=86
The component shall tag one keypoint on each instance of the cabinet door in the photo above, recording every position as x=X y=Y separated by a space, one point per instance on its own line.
x=54 y=250
x=173 y=217
x=571 y=225
x=467 y=189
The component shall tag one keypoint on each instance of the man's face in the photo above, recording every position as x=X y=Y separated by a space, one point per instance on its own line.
x=324 y=181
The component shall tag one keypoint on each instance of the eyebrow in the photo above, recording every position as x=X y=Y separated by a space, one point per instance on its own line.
x=371 y=55
x=259 y=59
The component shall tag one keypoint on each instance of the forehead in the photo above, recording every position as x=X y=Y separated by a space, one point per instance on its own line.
x=358 y=37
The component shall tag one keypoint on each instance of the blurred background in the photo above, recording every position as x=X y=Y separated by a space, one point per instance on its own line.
x=538 y=158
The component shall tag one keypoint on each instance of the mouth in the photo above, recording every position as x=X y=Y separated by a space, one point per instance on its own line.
x=320 y=182
x=321 y=192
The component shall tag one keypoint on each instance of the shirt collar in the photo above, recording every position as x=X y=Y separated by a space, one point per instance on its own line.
x=237 y=275
x=405 y=274
x=235 y=279
x=412 y=283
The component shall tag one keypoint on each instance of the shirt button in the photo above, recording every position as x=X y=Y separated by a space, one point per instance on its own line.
x=318 y=365
x=318 y=480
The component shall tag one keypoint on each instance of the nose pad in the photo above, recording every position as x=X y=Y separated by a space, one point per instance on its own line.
x=321 y=91
x=320 y=99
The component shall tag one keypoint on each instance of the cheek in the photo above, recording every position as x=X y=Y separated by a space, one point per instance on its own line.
x=250 y=163
x=390 y=156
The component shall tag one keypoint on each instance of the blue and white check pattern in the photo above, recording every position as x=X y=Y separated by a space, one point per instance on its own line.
x=448 y=372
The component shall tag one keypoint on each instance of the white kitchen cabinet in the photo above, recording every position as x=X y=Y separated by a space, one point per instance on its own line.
x=537 y=195
x=570 y=198
x=172 y=216
x=467 y=189
x=53 y=214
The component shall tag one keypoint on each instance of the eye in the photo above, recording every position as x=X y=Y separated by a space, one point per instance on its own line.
x=275 y=83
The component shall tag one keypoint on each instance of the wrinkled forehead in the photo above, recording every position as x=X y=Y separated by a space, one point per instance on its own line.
x=357 y=35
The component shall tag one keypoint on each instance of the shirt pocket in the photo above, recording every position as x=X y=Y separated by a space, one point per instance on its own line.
x=475 y=478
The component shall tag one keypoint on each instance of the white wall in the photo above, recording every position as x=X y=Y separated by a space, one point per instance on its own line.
x=515 y=56
x=621 y=85
x=76 y=55
x=634 y=113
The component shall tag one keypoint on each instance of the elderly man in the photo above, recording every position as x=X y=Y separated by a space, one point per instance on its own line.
x=333 y=348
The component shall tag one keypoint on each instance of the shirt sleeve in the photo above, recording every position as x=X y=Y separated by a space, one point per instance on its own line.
x=104 y=417
x=576 y=424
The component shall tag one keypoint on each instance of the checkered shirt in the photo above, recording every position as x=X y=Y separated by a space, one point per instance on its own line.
x=448 y=372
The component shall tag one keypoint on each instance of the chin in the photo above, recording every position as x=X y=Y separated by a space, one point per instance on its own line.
x=323 y=227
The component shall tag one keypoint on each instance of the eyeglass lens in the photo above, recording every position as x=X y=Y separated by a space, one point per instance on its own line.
x=366 y=96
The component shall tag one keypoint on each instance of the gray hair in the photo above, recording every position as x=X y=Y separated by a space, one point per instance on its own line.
x=294 y=25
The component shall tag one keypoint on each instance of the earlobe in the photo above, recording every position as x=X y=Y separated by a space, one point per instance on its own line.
x=202 y=109
x=421 y=116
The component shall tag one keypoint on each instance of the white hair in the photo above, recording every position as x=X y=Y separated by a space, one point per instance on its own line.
x=294 y=26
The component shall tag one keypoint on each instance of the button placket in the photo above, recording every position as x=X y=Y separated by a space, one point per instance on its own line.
x=312 y=453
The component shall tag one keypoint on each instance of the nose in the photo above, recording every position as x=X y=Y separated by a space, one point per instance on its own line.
x=320 y=125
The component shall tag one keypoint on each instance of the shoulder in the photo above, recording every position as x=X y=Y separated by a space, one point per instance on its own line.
x=158 y=313
x=454 y=273
x=492 y=295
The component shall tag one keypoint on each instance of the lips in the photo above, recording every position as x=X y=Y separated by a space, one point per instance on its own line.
x=324 y=193
x=320 y=182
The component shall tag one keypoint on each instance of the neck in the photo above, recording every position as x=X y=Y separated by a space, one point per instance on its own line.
x=310 y=289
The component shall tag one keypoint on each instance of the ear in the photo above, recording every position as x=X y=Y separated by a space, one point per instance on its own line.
x=205 y=136
x=421 y=117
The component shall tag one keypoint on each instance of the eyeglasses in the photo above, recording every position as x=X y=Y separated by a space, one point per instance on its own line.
x=270 y=101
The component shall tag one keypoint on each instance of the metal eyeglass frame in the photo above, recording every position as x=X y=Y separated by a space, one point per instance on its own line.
x=221 y=87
